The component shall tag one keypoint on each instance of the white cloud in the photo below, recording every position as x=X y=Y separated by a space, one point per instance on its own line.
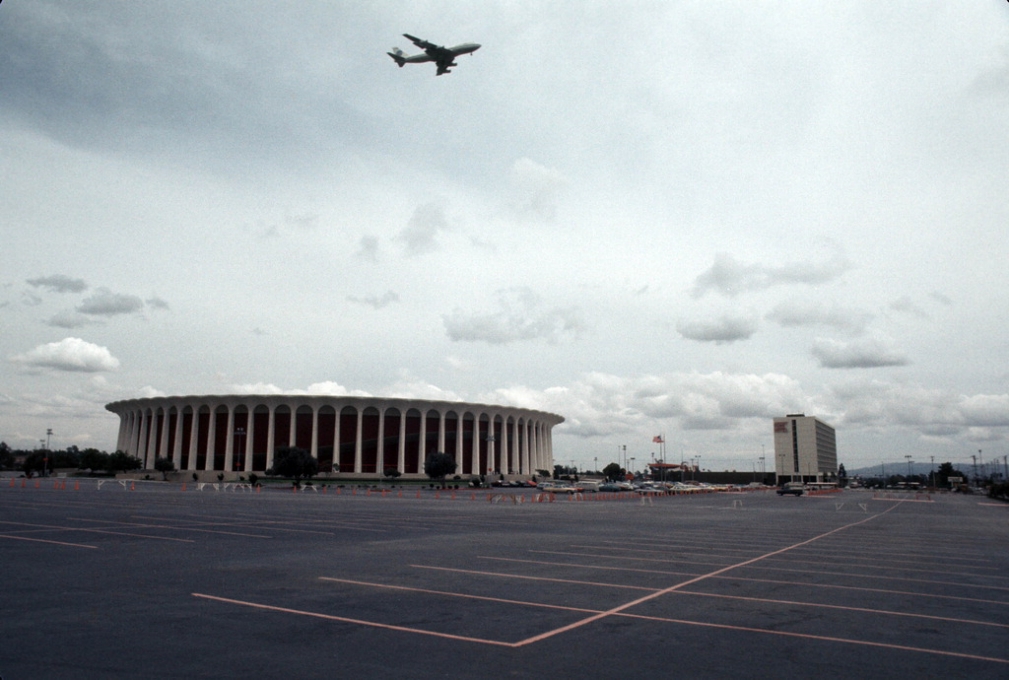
x=327 y=388
x=375 y=301
x=69 y=354
x=721 y=330
x=368 y=248
x=421 y=233
x=58 y=283
x=535 y=190
x=106 y=303
x=868 y=353
x=603 y=405
x=69 y=319
x=521 y=315
x=157 y=303
x=730 y=277
x=794 y=313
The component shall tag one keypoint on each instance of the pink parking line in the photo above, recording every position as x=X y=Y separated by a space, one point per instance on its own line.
x=486 y=598
x=820 y=638
x=620 y=611
x=344 y=619
x=809 y=584
x=56 y=527
x=684 y=584
x=864 y=610
x=42 y=540
x=536 y=578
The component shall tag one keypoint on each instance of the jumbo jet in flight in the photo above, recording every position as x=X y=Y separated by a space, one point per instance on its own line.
x=444 y=57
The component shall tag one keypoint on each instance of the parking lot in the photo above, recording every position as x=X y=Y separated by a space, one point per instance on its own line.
x=150 y=580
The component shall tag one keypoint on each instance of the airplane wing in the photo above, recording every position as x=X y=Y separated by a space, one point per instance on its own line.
x=422 y=44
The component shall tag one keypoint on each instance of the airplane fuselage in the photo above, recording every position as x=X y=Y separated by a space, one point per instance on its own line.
x=444 y=57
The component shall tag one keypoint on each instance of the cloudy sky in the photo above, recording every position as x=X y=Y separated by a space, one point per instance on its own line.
x=648 y=217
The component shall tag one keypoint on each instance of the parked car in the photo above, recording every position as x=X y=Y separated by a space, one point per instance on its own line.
x=791 y=489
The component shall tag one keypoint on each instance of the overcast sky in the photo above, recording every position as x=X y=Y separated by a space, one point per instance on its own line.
x=677 y=218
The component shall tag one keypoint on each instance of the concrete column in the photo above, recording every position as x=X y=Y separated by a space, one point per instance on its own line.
x=250 y=433
x=525 y=448
x=441 y=431
x=152 y=438
x=358 y=448
x=194 y=437
x=124 y=419
x=166 y=421
x=492 y=447
x=229 y=444
x=537 y=450
x=125 y=428
x=208 y=463
x=293 y=430
x=314 y=450
x=141 y=450
x=476 y=444
x=401 y=448
x=336 y=439
x=271 y=432
x=460 y=444
x=177 y=446
x=422 y=444
x=506 y=464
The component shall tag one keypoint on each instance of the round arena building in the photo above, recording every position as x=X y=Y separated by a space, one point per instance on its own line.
x=362 y=436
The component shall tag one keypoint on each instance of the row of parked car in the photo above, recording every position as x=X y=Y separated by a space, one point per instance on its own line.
x=645 y=488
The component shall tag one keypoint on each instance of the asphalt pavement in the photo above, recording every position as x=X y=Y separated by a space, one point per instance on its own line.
x=151 y=580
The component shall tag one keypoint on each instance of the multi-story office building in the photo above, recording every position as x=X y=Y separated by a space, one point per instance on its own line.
x=805 y=449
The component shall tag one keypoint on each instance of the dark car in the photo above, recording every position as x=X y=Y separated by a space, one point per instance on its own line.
x=790 y=489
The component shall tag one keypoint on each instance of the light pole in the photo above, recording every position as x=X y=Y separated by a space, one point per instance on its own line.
x=44 y=443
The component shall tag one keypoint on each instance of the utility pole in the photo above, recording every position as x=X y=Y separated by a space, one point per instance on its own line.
x=974 y=458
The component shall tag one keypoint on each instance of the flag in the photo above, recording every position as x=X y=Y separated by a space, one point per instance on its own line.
x=658 y=440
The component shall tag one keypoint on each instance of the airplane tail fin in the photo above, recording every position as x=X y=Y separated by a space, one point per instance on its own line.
x=397 y=56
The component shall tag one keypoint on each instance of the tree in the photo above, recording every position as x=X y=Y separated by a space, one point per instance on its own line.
x=842 y=476
x=35 y=462
x=945 y=471
x=121 y=461
x=164 y=466
x=439 y=465
x=6 y=456
x=391 y=473
x=94 y=460
x=613 y=471
x=290 y=461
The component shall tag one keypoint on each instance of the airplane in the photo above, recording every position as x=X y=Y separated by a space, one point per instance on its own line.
x=444 y=57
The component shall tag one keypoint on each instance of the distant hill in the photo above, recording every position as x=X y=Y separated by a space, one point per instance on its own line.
x=895 y=468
